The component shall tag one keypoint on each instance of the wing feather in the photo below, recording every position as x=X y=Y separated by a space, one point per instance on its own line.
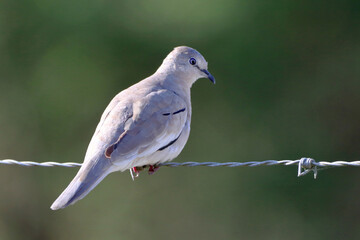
x=149 y=128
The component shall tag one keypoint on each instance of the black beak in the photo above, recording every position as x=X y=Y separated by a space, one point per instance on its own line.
x=209 y=76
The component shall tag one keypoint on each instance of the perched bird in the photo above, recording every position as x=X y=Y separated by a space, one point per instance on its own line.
x=144 y=125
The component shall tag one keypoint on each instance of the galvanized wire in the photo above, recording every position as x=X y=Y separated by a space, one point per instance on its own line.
x=305 y=165
x=37 y=164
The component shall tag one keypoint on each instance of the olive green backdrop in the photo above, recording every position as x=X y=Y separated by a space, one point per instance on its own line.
x=288 y=83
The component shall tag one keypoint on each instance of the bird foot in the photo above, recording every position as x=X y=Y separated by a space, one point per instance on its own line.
x=153 y=169
x=135 y=171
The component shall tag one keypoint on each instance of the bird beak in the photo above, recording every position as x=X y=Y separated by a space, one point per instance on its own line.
x=208 y=75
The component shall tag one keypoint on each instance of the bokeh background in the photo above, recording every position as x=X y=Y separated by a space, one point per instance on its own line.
x=288 y=84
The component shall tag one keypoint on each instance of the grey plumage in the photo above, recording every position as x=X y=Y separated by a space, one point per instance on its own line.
x=145 y=124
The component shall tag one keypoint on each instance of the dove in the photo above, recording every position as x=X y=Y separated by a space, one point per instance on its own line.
x=144 y=125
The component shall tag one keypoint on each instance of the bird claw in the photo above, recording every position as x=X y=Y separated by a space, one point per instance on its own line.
x=153 y=169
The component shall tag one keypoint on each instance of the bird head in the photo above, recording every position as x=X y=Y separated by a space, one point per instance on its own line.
x=188 y=63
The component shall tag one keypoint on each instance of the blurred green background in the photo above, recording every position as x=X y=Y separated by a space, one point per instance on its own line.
x=288 y=83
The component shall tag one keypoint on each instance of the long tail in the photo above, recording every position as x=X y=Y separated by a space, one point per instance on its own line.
x=89 y=175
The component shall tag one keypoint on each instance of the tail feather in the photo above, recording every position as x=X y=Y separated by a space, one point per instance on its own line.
x=89 y=175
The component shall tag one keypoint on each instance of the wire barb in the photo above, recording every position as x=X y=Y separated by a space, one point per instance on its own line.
x=308 y=164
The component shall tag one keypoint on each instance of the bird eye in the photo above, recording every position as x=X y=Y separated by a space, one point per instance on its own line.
x=192 y=61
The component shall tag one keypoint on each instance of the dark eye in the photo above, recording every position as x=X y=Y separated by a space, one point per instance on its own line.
x=192 y=61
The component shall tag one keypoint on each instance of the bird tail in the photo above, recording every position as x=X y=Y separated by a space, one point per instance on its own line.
x=89 y=175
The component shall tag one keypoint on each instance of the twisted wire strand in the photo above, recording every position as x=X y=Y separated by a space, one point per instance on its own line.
x=305 y=165
x=37 y=164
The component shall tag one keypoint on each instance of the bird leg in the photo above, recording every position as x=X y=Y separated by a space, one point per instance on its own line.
x=153 y=169
x=135 y=171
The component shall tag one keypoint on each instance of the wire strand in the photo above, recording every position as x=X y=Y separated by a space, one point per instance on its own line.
x=305 y=165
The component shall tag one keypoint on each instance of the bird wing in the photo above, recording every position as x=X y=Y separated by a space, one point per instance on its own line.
x=156 y=121
x=138 y=126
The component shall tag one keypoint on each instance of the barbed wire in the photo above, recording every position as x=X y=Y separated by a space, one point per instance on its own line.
x=305 y=165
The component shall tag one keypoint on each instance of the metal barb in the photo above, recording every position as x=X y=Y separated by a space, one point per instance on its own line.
x=309 y=165
x=132 y=174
